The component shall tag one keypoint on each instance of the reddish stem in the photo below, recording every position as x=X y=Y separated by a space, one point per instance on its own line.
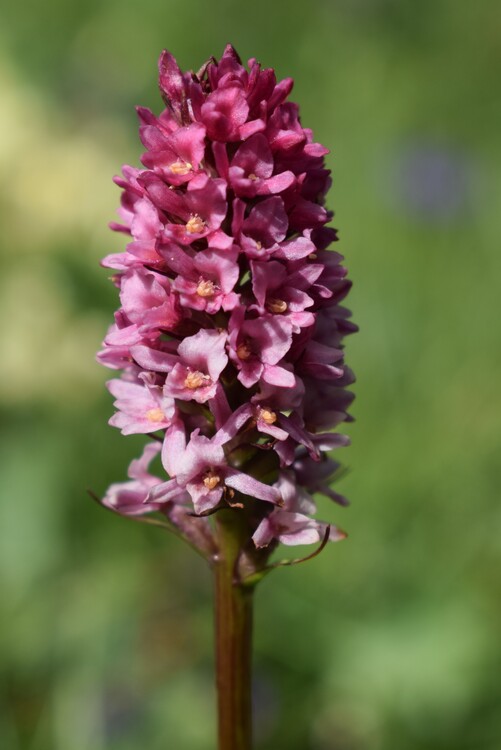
x=233 y=625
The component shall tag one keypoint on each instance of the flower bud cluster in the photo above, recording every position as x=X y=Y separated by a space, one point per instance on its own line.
x=229 y=335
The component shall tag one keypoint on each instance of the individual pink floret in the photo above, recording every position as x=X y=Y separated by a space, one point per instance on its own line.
x=260 y=232
x=141 y=408
x=196 y=213
x=208 y=281
x=224 y=112
x=147 y=300
x=202 y=358
x=175 y=157
x=250 y=172
x=201 y=468
x=292 y=524
x=280 y=292
x=256 y=348
x=129 y=498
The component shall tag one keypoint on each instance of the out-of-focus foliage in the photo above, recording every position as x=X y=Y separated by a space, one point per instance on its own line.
x=387 y=641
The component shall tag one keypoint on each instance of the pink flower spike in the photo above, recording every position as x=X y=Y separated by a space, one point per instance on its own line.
x=230 y=334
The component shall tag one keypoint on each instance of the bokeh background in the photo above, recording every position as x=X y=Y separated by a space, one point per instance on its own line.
x=388 y=641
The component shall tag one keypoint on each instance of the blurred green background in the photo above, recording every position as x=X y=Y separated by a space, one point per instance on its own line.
x=388 y=641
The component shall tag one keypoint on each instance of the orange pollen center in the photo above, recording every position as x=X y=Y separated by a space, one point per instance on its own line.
x=276 y=305
x=195 y=225
x=259 y=245
x=181 y=167
x=206 y=288
x=211 y=479
x=244 y=351
x=196 y=379
x=155 y=415
x=267 y=416
x=253 y=177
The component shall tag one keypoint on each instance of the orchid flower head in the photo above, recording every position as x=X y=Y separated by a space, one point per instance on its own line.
x=230 y=333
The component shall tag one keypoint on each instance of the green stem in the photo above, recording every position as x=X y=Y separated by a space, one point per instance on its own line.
x=233 y=625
